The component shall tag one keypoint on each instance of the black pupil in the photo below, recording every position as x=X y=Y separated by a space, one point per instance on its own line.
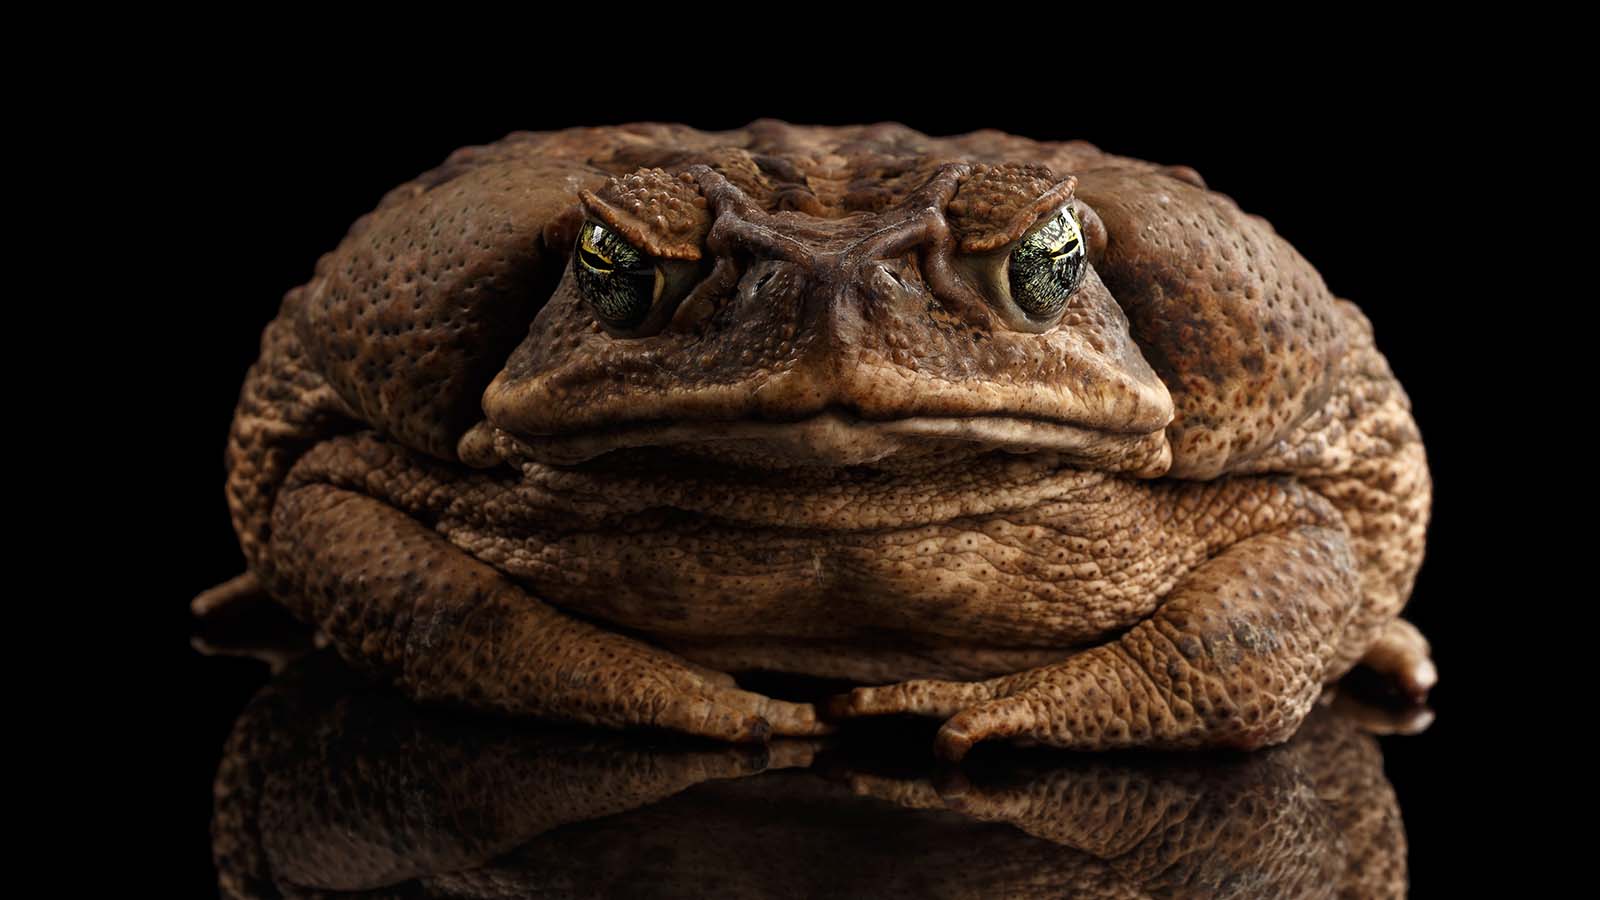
x=593 y=260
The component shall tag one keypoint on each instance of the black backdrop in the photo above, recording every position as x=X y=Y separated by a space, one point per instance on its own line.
x=1387 y=186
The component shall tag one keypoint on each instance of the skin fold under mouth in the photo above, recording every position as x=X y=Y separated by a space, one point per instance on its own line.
x=984 y=538
x=833 y=438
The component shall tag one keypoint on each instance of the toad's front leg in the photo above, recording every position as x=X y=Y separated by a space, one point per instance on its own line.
x=395 y=596
x=1235 y=657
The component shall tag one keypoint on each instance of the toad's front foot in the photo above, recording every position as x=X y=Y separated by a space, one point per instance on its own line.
x=1235 y=657
x=397 y=598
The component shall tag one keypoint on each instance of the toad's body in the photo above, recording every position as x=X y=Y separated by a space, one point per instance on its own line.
x=581 y=421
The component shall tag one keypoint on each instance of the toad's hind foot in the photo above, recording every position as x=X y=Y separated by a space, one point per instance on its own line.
x=1235 y=657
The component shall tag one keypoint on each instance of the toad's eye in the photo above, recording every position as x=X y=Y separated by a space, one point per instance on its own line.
x=628 y=289
x=620 y=282
x=1048 y=265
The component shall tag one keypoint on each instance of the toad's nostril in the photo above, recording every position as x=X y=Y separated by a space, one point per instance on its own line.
x=885 y=281
x=767 y=279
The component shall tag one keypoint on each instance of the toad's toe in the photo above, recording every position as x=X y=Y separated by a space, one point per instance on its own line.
x=1004 y=718
x=919 y=698
x=794 y=719
x=1401 y=655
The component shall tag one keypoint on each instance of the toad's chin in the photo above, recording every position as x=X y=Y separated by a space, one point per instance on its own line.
x=834 y=438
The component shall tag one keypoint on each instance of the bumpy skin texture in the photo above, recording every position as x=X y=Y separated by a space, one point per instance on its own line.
x=329 y=786
x=1163 y=517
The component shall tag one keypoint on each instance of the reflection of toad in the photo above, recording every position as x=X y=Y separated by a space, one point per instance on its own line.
x=329 y=784
x=1047 y=443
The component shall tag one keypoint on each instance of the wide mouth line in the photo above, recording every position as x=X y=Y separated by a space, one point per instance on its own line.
x=835 y=437
x=832 y=416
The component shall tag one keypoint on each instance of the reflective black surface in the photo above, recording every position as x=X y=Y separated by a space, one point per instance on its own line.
x=331 y=784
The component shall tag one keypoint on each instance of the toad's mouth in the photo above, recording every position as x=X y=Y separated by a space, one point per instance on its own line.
x=833 y=438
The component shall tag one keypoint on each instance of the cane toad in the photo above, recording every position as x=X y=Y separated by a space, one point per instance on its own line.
x=1054 y=445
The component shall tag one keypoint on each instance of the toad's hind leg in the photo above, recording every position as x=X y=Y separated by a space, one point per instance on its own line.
x=1235 y=657
x=393 y=595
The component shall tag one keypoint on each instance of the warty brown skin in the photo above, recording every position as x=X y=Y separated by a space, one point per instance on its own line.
x=1163 y=517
